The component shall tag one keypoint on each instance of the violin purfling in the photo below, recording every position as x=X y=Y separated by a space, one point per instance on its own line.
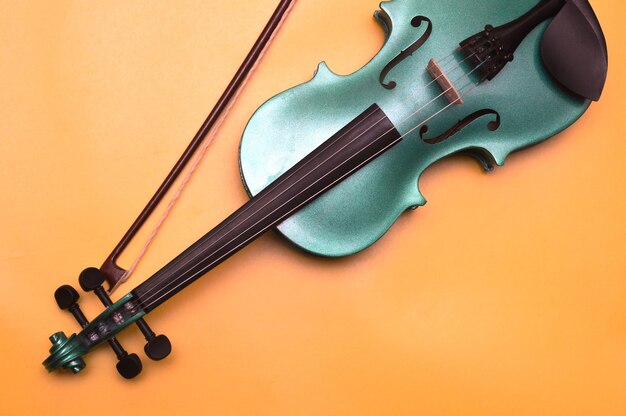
x=332 y=163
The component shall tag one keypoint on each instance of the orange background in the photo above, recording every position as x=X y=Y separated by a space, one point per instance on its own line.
x=505 y=295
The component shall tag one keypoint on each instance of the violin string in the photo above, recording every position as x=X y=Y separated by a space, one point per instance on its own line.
x=355 y=126
x=148 y=301
x=256 y=234
x=200 y=156
x=445 y=59
x=283 y=179
x=404 y=120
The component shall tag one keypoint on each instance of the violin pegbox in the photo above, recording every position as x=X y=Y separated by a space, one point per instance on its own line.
x=128 y=365
x=157 y=346
x=67 y=352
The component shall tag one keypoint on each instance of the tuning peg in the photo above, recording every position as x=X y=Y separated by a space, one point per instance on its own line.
x=157 y=346
x=128 y=365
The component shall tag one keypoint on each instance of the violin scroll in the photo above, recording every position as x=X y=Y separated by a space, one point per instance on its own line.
x=73 y=363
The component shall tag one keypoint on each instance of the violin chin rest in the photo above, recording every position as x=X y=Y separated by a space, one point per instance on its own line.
x=574 y=50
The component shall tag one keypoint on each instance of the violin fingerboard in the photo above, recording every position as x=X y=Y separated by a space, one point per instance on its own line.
x=362 y=140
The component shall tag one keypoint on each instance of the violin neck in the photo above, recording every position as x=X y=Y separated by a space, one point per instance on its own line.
x=362 y=140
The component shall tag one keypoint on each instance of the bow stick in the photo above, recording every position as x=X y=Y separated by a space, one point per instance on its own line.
x=116 y=275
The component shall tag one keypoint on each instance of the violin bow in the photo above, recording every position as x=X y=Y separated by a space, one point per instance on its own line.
x=117 y=275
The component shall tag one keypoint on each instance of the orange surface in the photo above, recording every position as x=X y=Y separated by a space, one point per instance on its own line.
x=505 y=295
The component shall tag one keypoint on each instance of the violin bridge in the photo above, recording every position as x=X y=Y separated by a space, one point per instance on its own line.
x=450 y=91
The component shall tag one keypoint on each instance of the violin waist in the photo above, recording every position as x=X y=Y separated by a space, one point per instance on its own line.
x=365 y=138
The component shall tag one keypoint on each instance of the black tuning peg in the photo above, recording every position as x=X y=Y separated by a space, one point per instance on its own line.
x=128 y=365
x=157 y=346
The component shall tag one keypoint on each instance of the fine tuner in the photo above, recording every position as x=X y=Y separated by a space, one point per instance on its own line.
x=331 y=164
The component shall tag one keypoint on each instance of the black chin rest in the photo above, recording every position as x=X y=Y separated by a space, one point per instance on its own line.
x=574 y=50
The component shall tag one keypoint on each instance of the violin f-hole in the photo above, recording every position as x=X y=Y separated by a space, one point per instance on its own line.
x=491 y=126
x=415 y=22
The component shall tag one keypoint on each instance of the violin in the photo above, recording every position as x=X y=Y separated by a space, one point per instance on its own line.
x=332 y=163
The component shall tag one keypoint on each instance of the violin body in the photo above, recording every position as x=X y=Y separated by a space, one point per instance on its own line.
x=532 y=106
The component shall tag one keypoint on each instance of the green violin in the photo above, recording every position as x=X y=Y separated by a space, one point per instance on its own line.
x=334 y=162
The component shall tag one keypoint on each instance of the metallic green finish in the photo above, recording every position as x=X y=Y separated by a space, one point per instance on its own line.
x=59 y=342
x=67 y=353
x=358 y=211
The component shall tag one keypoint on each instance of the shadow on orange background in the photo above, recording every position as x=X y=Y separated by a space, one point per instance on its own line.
x=505 y=295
